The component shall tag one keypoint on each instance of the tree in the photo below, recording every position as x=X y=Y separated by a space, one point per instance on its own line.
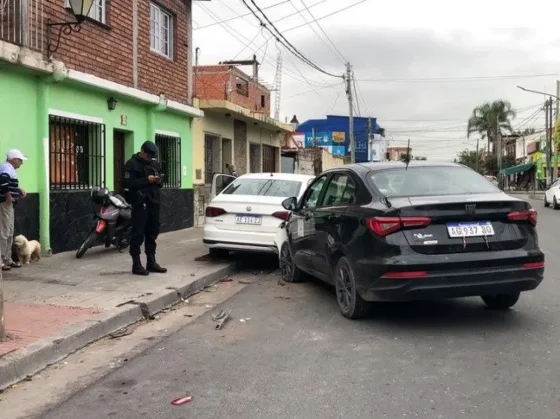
x=469 y=158
x=556 y=134
x=490 y=117
x=491 y=164
x=406 y=157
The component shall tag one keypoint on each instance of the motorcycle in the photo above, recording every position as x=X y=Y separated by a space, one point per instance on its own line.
x=111 y=221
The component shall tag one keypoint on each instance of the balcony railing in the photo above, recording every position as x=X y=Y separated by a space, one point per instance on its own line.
x=21 y=23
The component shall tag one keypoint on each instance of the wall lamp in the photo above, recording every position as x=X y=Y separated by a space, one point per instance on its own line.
x=80 y=9
x=111 y=103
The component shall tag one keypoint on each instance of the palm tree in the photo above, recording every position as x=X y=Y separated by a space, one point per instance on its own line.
x=486 y=119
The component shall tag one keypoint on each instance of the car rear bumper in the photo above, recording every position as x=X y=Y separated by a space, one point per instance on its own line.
x=452 y=284
x=239 y=240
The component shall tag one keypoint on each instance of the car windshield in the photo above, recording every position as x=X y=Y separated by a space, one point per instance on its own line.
x=264 y=187
x=434 y=180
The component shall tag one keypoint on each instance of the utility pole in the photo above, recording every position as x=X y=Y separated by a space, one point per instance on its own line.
x=547 y=124
x=499 y=153
x=554 y=125
x=349 y=94
x=477 y=153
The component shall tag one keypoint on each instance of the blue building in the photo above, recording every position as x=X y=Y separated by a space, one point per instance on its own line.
x=333 y=134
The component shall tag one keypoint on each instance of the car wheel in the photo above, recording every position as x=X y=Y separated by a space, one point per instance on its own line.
x=501 y=301
x=545 y=202
x=349 y=301
x=554 y=203
x=290 y=272
x=218 y=253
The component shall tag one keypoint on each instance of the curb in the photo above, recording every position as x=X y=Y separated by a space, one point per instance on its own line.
x=31 y=359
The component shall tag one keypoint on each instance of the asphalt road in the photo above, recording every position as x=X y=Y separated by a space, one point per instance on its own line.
x=297 y=357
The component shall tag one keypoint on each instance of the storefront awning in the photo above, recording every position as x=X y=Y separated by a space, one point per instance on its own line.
x=517 y=169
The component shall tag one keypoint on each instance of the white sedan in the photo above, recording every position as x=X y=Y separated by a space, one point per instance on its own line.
x=247 y=213
x=552 y=195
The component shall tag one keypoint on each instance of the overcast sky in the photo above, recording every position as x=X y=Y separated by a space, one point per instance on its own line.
x=421 y=67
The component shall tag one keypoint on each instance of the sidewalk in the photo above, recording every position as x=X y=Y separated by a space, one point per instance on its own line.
x=61 y=304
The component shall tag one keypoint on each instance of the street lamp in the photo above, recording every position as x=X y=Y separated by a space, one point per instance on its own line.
x=80 y=9
x=548 y=130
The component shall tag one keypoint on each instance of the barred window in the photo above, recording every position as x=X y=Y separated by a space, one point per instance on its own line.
x=76 y=154
x=170 y=160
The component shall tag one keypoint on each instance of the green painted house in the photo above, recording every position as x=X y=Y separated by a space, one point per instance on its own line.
x=78 y=123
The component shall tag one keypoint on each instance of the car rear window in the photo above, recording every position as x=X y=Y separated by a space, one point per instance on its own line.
x=264 y=187
x=434 y=180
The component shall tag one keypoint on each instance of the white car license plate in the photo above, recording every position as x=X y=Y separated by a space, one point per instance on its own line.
x=248 y=219
x=470 y=229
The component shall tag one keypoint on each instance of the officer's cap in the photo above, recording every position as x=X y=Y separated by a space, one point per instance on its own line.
x=149 y=148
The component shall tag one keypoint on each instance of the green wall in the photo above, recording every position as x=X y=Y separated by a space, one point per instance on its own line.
x=18 y=127
x=72 y=98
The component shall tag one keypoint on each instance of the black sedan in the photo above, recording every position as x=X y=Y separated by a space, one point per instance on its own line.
x=391 y=232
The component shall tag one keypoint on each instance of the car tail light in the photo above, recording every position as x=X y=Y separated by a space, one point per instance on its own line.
x=404 y=275
x=214 y=211
x=382 y=226
x=283 y=215
x=529 y=215
x=534 y=265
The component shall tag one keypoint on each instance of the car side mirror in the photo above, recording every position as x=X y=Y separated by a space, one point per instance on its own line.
x=290 y=203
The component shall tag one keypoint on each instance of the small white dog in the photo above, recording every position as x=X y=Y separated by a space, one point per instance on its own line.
x=27 y=250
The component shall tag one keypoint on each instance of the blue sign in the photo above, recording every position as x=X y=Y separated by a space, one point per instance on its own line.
x=322 y=139
x=338 y=150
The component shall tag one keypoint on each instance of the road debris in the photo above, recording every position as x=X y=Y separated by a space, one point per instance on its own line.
x=245 y=282
x=281 y=282
x=245 y=319
x=120 y=333
x=226 y=280
x=182 y=400
x=220 y=318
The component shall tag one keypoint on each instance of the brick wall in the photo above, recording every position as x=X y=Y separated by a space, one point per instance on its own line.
x=106 y=50
x=211 y=82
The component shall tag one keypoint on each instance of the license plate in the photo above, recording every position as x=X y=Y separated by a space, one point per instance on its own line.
x=248 y=219
x=470 y=229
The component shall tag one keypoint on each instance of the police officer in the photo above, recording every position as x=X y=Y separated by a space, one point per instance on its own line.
x=142 y=183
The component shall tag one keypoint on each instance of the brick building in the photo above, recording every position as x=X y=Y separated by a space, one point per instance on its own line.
x=236 y=128
x=81 y=104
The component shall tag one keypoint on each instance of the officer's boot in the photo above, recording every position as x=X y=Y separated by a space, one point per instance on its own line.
x=137 y=268
x=153 y=266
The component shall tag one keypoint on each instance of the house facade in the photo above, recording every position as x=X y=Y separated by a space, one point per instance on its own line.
x=81 y=104
x=236 y=129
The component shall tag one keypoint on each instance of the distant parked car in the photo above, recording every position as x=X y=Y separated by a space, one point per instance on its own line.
x=552 y=195
x=385 y=232
x=247 y=213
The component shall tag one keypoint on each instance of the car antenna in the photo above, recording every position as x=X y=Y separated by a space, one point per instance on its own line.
x=407 y=156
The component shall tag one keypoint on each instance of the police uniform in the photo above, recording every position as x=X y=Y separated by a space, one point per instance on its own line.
x=145 y=200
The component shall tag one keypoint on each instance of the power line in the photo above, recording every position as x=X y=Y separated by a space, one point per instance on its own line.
x=236 y=35
x=279 y=36
x=326 y=16
x=239 y=16
x=457 y=79
x=336 y=50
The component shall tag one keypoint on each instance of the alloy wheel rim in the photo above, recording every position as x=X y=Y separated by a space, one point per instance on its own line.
x=344 y=289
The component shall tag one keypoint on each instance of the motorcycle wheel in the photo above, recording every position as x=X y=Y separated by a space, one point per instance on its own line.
x=88 y=242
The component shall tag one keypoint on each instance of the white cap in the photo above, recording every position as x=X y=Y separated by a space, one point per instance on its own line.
x=15 y=154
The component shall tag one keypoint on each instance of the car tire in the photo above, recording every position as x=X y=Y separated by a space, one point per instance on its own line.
x=501 y=301
x=555 y=203
x=351 y=304
x=218 y=253
x=546 y=204
x=288 y=269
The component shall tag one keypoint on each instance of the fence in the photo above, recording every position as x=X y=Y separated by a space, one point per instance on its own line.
x=170 y=160
x=22 y=23
x=76 y=154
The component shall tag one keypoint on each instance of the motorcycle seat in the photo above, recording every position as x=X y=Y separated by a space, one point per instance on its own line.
x=118 y=201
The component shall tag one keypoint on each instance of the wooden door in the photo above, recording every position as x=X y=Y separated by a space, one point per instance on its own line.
x=119 y=159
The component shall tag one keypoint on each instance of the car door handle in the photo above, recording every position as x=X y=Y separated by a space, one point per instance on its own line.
x=308 y=215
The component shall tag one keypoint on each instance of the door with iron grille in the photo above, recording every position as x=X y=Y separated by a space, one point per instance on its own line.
x=119 y=159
